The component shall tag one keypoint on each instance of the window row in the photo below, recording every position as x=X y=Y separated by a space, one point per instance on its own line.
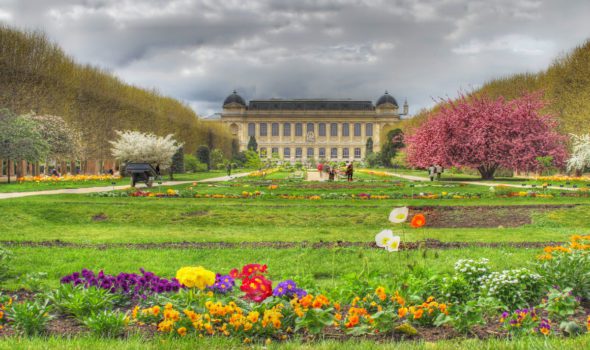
x=310 y=152
x=274 y=129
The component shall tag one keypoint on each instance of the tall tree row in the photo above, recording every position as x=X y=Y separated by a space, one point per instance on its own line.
x=37 y=76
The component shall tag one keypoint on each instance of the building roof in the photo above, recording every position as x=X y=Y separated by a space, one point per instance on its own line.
x=234 y=98
x=311 y=104
x=386 y=98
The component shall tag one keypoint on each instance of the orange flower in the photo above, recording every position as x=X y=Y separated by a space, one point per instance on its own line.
x=418 y=314
x=182 y=331
x=402 y=312
x=418 y=221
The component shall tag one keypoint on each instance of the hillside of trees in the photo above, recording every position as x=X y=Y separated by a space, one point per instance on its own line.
x=37 y=76
x=565 y=86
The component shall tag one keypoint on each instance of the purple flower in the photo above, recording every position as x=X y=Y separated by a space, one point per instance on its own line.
x=223 y=283
x=288 y=288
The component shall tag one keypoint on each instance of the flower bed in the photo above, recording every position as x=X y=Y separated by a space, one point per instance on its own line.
x=68 y=178
x=245 y=303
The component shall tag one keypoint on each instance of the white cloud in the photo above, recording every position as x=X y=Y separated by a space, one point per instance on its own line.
x=513 y=43
x=5 y=16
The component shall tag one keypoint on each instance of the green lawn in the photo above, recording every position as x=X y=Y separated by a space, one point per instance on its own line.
x=99 y=228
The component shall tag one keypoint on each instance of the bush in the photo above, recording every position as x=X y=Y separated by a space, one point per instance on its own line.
x=203 y=155
x=106 y=324
x=192 y=165
x=217 y=161
x=30 y=318
x=81 y=302
x=568 y=270
x=513 y=288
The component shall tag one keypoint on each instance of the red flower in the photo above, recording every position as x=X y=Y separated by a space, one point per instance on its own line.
x=234 y=273
x=418 y=221
x=257 y=288
x=252 y=269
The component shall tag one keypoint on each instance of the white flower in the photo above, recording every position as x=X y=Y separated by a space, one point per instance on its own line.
x=399 y=215
x=383 y=238
x=393 y=245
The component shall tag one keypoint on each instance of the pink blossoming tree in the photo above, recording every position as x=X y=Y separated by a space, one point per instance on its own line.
x=486 y=134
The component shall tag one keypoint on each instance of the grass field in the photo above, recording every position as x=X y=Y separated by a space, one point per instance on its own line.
x=322 y=244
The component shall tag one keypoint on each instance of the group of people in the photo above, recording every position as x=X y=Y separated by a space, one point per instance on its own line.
x=333 y=170
x=435 y=171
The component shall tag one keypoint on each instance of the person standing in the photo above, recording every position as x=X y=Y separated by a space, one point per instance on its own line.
x=431 y=172
x=332 y=173
x=439 y=170
x=320 y=169
x=228 y=168
x=349 y=172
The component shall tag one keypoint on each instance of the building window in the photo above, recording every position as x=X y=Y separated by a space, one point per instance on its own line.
x=322 y=153
x=310 y=127
x=298 y=152
x=298 y=129
x=334 y=129
x=369 y=129
x=275 y=151
x=251 y=129
x=357 y=152
x=286 y=152
x=322 y=129
x=275 y=129
x=357 y=129
x=345 y=129
x=310 y=153
x=287 y=129
x=263 y=151
x=263 y=129
x=345 y=153
x=334 y=153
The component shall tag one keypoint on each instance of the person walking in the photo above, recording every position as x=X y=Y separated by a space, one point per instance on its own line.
x=439 y=170
x=332 y=173
x=228 y=169
x=431 y=172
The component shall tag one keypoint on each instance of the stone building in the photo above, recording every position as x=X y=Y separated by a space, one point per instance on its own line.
x=302 y=129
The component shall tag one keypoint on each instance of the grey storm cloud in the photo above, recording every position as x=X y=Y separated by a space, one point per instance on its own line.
x=198 y=51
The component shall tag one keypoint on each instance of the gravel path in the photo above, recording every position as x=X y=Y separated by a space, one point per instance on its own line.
x=109 y=188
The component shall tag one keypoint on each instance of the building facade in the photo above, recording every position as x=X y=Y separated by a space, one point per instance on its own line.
x=305 y=129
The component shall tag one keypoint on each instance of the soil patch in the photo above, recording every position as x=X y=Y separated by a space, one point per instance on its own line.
x=195 y=213
x=482 y=216
x=428 y=243
x=100 y=217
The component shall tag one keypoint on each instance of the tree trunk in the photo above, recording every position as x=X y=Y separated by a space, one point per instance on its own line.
x=487 y=171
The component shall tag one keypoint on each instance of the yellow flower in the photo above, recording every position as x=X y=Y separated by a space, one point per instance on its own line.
x=181 y=331
x=195 y=277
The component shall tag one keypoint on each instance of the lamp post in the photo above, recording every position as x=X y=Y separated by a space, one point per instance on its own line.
x=7 y=146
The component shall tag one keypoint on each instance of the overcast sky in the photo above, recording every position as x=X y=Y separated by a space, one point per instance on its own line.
x=200 y=50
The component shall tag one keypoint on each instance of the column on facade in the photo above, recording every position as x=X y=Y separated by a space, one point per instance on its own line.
x=376 y=137
x=339 y=128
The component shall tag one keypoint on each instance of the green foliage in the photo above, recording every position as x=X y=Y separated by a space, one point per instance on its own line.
x=20 y=138
x=569 y=270
x=33 y=281
x=560 y=304
x=178 y=162
x=81 y=302
x=30 y=318
x=106 y=324
x=192 y=165
x=252 y=144
x=217 y=159
x=315 y=320
x=369 y=146
x=252 y=160
x=373 y=159
x=466 y=315
x=394 y=141
x=203 y=155
x=5 y=262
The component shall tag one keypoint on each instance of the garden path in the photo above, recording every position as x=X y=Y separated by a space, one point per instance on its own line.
x=109 y=188
x=477 y=183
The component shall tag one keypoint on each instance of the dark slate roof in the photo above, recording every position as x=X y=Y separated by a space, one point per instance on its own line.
x=386 y=98
x=310 y=105
x=234 y=98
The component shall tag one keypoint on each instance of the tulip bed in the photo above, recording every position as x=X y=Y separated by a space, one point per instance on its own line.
x=267 y=265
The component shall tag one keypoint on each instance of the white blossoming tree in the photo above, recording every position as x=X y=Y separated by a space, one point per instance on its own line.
x=580 y=157
x=138 y=147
